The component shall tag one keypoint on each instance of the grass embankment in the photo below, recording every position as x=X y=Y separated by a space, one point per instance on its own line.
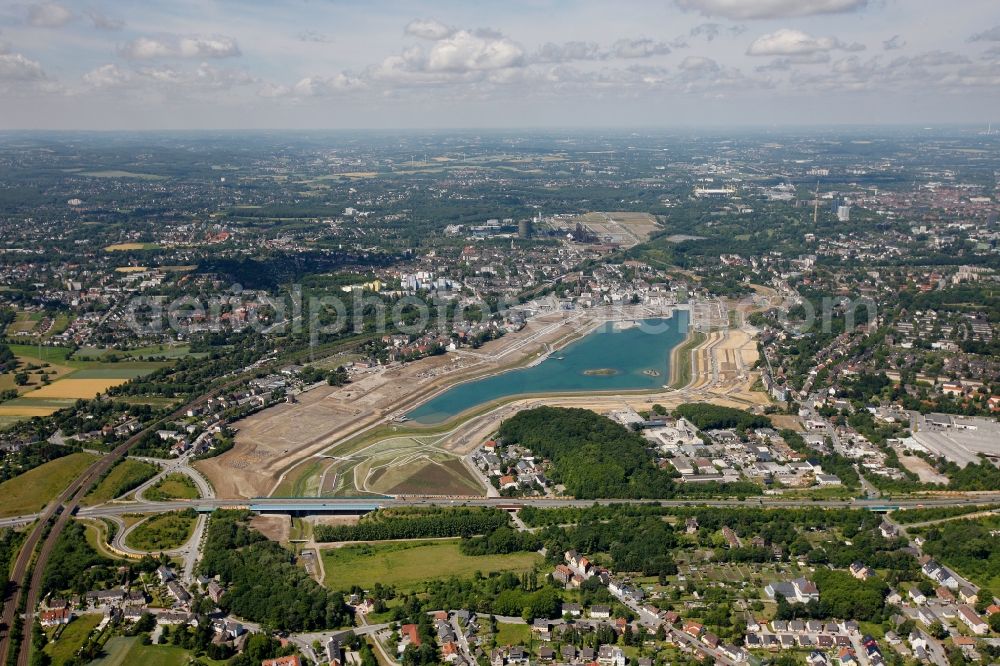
x=29 y=492
x=163 y=532
x=171 y=487
x=408 y=564
x=681 y=370
x=123 y=477
x=98 y=533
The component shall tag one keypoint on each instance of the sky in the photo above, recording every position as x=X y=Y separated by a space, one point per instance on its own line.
x=342 y=64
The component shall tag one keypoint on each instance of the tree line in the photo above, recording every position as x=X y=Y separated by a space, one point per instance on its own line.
x=444 y=522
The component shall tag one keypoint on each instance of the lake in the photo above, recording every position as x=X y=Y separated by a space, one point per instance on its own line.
x=615 y=356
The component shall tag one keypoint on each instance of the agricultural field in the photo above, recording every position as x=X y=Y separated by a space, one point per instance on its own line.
x=72 y=638
x=123 y=477
x=57 y=378
x=172 y=486
x=29 y=492
x=165 y=531
x=75 y=388
x=396 y=466
x=408 y=564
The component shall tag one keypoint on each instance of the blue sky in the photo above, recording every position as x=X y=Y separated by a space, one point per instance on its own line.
x=183 y=64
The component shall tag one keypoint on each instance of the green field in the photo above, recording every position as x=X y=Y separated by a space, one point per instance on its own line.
x=172 y=486
x=165 y=531
x=126 y=473
x=139 y=353
x=118 y=173
x=31 y=491
x=121 y=651
x=513 y=634
x=72 y=638
x=407 y=564
x=97 y=533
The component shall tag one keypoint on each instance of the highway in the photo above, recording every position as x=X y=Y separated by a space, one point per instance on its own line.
x=62 y=508
x=318 y=504
x=353 y=504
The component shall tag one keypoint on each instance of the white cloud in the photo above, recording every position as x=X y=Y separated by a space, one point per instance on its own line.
x=102 y=21
x=991 y=35
x=787 y=62
x=107 y=76
x=787 y=42
x=933 y=59
x=769 y=9
x=204 y=77
x=49 y=15
x=15 y=67
x=893 y=43
x=428 y=29
x=319 y=86
x=208 y=47
x=638 y=48
x=567 y=52
x=707 y=30
x=699 y=64
x=148 y=48
x=144 y=48
x=314 y=37
x=464 y=51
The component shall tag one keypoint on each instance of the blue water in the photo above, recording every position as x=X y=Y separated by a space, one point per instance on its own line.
x=629 y=352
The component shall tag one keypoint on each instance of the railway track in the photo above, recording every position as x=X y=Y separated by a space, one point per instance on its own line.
x=62 y=508
x=65 y=505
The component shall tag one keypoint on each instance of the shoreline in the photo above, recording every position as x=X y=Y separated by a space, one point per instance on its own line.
x=556 y=346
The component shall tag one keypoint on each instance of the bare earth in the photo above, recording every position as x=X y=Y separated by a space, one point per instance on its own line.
x=275 y=528
x=276 y=439
x=271 y=443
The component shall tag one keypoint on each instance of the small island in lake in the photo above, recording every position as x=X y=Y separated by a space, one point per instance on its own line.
x=600 y=372
x=649 y=372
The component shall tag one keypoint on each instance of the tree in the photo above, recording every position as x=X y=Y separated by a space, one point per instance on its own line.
x=938 y=631
x=995 y=622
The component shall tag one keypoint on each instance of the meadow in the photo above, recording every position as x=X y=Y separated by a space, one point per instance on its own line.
x=408 y=564
x=172 y=486
x=165 y=531
x=122 y=478
x=29 y=492
x=122 y=651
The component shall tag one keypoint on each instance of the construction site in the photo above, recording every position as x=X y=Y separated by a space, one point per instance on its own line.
x=355 y=439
